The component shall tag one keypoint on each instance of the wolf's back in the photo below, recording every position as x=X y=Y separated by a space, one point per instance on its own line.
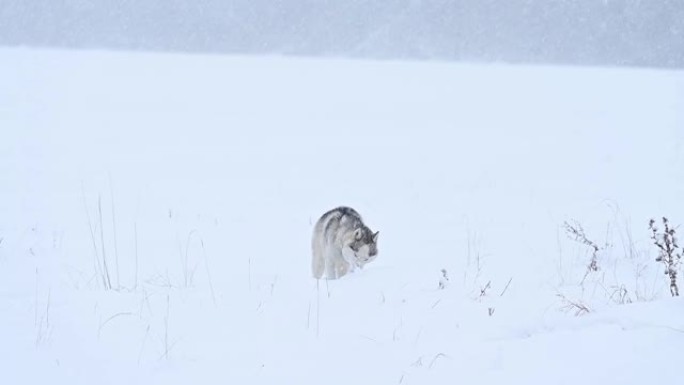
x=342 y=211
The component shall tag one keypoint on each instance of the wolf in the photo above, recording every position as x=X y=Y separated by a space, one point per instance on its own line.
x=341 y=242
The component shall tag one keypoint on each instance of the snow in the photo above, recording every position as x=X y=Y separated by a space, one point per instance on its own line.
x=200 y=177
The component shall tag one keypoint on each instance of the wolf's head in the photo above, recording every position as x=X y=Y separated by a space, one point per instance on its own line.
x=365 y=245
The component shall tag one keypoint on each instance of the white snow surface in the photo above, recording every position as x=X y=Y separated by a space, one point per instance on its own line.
x=197 y=179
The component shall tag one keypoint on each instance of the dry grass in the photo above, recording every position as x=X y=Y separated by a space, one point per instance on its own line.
x=669 y=252
x=576 y=232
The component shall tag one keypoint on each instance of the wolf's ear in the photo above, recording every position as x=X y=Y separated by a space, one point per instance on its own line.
x=375 y=237
x=358 y=234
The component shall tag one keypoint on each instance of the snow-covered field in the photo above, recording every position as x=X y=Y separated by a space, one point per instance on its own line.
x=190 y=185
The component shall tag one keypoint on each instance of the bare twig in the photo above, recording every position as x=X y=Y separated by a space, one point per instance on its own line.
x=483 y=290
x=47 y=309
x=506 y=288
x=142 y=346
x=116 y=248
x=206 y=265
x=166 y=329
x=434 y=359
x=188 y=277
x=108 y=283
x=102 y=324
x=98 y=268
x=577 y=306
x=44 y=323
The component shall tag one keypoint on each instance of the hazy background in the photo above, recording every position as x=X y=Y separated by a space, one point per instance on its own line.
x=585 y=32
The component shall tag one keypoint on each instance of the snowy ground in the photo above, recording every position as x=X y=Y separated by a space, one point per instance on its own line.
x=197 y=180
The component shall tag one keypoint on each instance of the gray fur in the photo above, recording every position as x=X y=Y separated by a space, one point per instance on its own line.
x=341 y=242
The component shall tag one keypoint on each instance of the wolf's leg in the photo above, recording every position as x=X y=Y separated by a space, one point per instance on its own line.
x=317 y=264
x=350 y=258
x=341 y=265
x=330 y=266
x=341 y=268
x=336 y=266
x=317 y=255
